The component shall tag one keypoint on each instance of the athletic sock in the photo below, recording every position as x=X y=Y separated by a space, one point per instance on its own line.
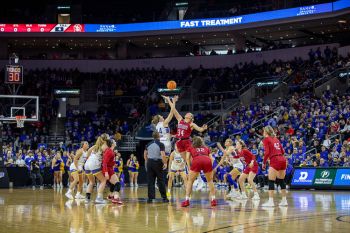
x=88 y=196
x=213 y=197
x=270 y=199
x=284 y=198
x=187 y=198
x=168 y=190
x=99 y=195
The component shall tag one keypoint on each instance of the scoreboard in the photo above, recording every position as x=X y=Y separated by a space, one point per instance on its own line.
x=14 y=74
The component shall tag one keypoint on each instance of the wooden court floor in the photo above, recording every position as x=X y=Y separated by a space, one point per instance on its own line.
x=26 y=210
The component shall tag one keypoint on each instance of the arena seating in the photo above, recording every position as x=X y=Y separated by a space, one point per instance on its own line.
x=314 y=131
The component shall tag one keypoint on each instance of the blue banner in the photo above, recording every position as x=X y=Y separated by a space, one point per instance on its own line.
x=303 y=177
x=342 y=4
x=212 y=22
x=342 y=178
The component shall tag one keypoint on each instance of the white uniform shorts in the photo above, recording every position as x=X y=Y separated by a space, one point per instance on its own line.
x=167 y=145
x=92 y=166
x=73 y=168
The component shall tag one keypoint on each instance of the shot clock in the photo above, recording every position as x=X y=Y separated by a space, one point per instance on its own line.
x=14 y=74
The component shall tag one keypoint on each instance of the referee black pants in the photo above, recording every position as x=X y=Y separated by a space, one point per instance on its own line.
x=155 y=170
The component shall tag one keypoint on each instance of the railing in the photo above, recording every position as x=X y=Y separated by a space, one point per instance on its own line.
x=137 y=125
x=338 y=135
x=310 y=150
x=328 y=77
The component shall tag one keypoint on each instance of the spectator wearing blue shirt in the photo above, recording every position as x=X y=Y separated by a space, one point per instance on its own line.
x=65 y=159
x=254 y=150
x=29 y=158
x=41 y=161
x=289 y=173
x=296 y=157
x=324 y=153
x=323 y=163
x=337 y=145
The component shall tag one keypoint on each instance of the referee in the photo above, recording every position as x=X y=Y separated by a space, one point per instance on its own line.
x=155 y=163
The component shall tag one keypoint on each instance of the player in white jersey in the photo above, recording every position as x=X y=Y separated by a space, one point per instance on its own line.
x=93 y=168
x=237 y=169
x=177 y=166
x=162 y=127
x=76 y=170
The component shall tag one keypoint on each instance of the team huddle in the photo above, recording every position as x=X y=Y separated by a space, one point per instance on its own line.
x=189 y=159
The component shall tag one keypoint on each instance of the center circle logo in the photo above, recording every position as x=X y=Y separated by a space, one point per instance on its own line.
x=325 y=174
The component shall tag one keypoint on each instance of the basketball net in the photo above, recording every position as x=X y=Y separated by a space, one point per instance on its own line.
x=20 y=121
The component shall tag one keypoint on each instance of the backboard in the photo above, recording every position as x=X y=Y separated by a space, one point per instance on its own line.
x=19 y=105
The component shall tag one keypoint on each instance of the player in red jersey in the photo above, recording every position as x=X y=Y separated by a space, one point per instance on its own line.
x=108 y=163
x=273 y=151
x=184 y=129
x=201 y=161
x=250 y=170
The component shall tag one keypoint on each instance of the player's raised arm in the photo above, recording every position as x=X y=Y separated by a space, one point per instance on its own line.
x=90 y=151
x=199 y=129
x=173 y=108
x=171 y=114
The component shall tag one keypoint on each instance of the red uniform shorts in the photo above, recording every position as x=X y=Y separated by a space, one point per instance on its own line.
x=201 y=163
x=279 y=163
x=253 y=169
x=110 y=171
x=183 y=145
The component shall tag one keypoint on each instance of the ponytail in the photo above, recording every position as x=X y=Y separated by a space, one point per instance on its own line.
x=240 y=141
x=269 y=131
x=155 y=119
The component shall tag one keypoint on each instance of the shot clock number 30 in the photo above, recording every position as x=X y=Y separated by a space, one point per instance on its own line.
x=14 y=74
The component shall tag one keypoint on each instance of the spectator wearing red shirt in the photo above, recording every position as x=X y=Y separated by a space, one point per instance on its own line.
x=290 y=130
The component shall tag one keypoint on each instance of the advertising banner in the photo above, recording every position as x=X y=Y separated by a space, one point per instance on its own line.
x=342 y=177
x=303 y=177
x=325 y=177
x=178 y=24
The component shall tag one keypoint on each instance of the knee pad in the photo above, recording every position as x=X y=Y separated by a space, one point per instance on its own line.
x=271 y=185
x=111 y=187
x=281 y=183
x=117 y=187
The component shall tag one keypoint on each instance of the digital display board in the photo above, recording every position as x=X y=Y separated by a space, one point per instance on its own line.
x=14 y=74
x=180 y=24
x=41 y=27
x=321 y=178
x=303 y=177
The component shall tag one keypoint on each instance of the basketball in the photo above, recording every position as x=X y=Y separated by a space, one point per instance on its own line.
x=171 y=85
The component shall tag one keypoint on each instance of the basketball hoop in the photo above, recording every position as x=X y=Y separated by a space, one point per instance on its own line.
x=20 y=121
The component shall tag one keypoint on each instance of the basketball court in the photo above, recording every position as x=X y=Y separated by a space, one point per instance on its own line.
x=25 y=210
